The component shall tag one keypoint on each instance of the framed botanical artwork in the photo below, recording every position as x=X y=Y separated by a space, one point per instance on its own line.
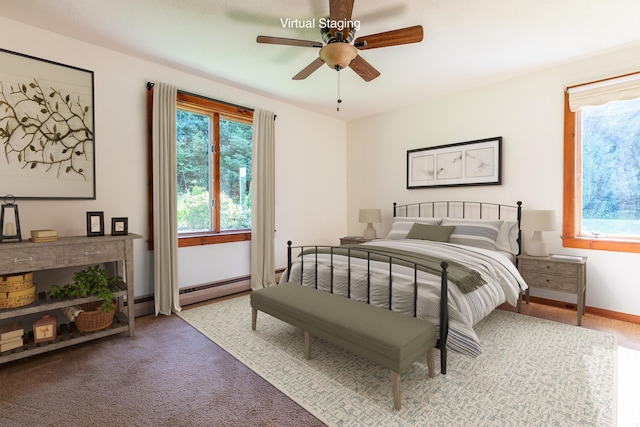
x=465 y=163
x=95 y=223
x=47 y=132
x=119 y=226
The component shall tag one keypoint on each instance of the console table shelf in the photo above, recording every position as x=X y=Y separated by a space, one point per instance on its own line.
x=77 y=251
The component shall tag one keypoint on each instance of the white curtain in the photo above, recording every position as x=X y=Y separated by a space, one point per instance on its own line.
x=599 y=93
x=165 y=228
x=263 y=200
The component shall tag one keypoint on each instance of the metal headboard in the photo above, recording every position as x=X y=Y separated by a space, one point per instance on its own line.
x=463 y=209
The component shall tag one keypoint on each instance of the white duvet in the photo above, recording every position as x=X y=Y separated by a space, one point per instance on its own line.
x=504 y=284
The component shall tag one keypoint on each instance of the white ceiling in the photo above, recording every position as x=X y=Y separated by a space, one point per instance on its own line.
x=467 y=43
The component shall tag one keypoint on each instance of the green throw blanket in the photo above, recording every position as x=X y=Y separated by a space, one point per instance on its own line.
x=464 y=277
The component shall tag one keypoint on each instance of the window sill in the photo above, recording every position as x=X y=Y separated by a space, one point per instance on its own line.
x=602 y=244
x=212 y=239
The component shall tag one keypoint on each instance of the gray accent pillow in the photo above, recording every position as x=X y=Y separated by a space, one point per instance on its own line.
x=436 y=233
x=402 y=225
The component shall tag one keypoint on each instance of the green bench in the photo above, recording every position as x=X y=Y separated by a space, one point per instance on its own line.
x=390 y=339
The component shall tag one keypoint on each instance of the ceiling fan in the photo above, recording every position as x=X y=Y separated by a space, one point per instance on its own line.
x=338 y=51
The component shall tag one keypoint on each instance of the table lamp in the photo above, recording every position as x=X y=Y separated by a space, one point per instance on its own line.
x=369 y=216
x=538 y=221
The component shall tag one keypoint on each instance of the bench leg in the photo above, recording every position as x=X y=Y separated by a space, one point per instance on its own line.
x=430 y=362
x=307 y=345
x=254 y=317
x=395 y=387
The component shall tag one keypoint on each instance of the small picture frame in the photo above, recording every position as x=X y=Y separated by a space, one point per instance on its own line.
x=95 y=224
x=119 y=226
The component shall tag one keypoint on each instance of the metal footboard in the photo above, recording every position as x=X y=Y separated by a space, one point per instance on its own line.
x=443 y=303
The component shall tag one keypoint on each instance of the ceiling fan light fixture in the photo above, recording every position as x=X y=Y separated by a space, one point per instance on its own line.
x=338 y=54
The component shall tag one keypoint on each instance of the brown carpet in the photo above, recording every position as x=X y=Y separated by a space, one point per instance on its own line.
x=167 y=375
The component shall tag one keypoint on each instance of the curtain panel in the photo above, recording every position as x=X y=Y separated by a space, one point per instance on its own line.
x=263 y=200
x=165 y=219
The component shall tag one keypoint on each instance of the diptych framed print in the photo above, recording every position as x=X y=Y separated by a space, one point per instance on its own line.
x=465 y=163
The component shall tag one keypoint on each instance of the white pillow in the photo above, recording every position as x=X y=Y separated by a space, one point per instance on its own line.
x=508 y=237
x=402 y=225
x=477 y=233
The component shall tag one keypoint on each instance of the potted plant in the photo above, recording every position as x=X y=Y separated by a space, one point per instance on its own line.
x=90 y=281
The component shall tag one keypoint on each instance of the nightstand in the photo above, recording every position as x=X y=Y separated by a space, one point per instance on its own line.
x=353 y=240
x=557 y=275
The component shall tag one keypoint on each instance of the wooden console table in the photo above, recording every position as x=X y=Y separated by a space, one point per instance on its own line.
x=69 y=252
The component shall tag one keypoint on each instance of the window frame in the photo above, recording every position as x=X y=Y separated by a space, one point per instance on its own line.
x=571 y=236
x=200 y=104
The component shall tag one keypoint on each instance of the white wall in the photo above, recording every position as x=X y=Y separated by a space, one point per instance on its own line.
x=310 y=160
x=528 y=113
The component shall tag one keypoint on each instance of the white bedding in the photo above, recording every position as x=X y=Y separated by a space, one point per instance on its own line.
x=504 y=284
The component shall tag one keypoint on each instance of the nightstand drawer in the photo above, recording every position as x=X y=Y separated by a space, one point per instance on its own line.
x=550 y=267
x=554 y=282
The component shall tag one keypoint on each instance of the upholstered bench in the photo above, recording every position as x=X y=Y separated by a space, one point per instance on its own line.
x=390 y=339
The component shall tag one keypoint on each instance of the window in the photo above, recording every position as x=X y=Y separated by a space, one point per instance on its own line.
x=602 y=166
x=214 y=171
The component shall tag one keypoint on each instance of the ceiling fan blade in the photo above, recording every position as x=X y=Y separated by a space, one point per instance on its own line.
x=390 y=38
x=287 y=42
x=340 y=10
x=364 y=69
x=306 y=71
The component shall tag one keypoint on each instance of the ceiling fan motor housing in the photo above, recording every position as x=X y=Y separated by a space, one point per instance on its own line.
x=337 y=36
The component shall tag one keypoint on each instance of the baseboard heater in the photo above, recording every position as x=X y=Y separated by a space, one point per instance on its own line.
x=200 y=293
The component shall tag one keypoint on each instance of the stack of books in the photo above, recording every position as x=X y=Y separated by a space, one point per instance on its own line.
x=11 y=336
x=44 y=235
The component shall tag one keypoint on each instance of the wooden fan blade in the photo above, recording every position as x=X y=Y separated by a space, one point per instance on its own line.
x=287 y=42
x=364 y=69
x=340 y=10
x=390 y=38
x=306 y=71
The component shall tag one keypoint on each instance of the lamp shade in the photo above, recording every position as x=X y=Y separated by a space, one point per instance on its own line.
x=370 y=215
x=538 y=220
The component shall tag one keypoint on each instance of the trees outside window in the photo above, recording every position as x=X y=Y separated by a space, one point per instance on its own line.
x=214 y=145
x=610 y=142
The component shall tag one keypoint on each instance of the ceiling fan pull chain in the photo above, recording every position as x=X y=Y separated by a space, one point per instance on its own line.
x=338 y=100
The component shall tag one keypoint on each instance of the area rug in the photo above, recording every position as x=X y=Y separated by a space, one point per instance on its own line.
x=532 y=372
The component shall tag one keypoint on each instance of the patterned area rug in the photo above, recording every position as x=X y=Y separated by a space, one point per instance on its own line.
x=532 y=372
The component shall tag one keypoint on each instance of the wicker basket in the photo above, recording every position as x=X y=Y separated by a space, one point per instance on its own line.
x=93 y=318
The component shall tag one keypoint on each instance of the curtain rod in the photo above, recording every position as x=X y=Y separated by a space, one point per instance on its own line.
x=151 y=84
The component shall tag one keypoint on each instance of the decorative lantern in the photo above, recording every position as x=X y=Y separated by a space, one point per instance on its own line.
x=9 y=220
